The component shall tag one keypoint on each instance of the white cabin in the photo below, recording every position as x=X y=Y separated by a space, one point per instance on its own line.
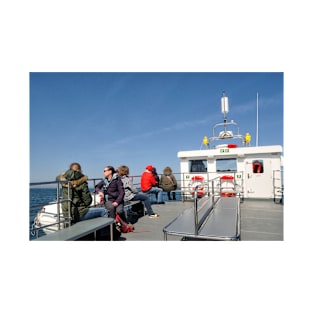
x=255 y=172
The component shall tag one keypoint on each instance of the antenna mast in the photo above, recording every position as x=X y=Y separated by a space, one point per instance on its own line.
x=257 y=119
x=224 y=108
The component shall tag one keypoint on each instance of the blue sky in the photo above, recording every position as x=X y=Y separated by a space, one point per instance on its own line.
x=141 y=118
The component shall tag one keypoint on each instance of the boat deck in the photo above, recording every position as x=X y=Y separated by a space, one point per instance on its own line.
x=260 y=220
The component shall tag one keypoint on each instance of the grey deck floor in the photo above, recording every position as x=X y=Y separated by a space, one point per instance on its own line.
x=151 y=229
x=260 y=220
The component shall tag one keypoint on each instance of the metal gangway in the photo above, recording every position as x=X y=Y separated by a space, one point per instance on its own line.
x=212 y=217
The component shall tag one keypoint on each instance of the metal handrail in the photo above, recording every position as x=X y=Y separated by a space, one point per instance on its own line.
x=58 y=201
x=216 y=179
x=196 y=219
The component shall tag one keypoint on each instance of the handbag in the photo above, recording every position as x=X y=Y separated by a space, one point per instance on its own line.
x=122 y=226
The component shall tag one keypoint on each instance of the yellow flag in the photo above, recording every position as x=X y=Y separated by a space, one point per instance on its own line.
x=205 y=140
x=247 y=138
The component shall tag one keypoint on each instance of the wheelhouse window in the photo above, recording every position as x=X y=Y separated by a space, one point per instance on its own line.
x=226 y=165
x=198 y=166
x=257 y=166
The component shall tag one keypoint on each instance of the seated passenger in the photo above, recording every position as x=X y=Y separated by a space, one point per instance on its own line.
x=131 y=192
x=168 y=182
x=111 y=190
x=149 y=184
x=79 y=196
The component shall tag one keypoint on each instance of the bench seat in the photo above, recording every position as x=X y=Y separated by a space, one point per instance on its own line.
x=184 y=224
x=223 y=222
x=128 y=206
x=80 y=230
x=218 y=222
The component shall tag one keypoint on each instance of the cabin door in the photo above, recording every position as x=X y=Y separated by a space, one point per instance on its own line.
x=258 y=178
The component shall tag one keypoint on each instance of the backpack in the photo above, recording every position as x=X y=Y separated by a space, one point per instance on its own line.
x=122 y=226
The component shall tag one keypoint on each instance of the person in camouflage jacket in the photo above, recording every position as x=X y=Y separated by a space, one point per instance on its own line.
x=78 y=192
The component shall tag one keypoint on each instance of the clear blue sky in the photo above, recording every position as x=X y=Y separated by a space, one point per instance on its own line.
x=141 y=118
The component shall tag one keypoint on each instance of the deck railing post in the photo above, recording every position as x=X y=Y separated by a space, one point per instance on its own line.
x=196 y=210
x=58 y=205
x=69 y=204
x=213 y=193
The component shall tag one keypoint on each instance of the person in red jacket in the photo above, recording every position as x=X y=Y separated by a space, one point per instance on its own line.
x=148 y=184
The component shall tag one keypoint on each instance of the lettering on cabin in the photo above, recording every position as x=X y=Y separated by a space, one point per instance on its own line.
x=224 y=150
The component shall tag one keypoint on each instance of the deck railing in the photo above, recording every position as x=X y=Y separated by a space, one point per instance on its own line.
x=211 y=185
x=278 y=186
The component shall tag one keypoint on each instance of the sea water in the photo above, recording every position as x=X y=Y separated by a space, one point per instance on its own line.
x=39 y=197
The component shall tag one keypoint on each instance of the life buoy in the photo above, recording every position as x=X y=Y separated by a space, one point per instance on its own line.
x=227 y=177
x=228 y=194
x=257 y=167
x=197 y=181
x=227 y=186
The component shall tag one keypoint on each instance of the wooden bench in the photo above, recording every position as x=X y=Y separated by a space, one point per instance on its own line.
x=80 y=230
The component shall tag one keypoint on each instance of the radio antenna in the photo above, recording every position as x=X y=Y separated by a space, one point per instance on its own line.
x=257 y=119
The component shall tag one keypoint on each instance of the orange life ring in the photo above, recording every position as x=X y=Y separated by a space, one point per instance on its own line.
x=229 y=181
x=199 y=178
x=227 y=177
x=228 y=194
x=197 y=181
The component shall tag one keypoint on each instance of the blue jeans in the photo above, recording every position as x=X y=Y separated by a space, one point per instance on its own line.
x=146 y=200
x=158 y=192
x=94 y=212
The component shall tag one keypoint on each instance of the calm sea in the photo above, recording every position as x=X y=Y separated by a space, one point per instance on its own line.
x=38 y=197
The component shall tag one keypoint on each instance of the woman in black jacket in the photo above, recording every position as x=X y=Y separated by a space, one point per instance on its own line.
x=111 y=189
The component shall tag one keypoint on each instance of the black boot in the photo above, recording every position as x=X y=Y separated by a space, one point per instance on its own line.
x=174 y=196
x=169 y=196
